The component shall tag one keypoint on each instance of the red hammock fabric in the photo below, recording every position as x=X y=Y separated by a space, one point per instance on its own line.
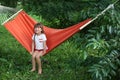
x=21 y=27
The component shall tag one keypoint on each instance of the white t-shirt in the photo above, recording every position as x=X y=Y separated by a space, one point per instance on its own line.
x=39 y=39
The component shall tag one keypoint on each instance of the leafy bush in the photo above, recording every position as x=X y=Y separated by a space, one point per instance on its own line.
x=106 y=68
x=91 y=54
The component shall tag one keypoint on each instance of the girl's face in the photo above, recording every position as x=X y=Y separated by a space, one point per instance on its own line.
x=38 y=30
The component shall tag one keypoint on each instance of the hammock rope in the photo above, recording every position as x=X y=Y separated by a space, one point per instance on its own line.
x=11 y=17
x=101 y=13
x=6 y=12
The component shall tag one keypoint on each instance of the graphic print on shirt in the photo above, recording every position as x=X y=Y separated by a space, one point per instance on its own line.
x=40 y=40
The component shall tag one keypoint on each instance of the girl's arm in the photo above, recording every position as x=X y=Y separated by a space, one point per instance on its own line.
x=32 y=46
x=44 y=45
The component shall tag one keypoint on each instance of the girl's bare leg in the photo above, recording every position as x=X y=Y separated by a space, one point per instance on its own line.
x=33 y=62
x=39 y=54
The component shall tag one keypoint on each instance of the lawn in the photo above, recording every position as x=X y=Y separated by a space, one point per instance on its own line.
x=63 y=63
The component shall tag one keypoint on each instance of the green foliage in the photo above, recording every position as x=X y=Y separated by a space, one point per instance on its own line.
x=10 y=3
x=106 y=68
x=91 y=54
x=59 y=14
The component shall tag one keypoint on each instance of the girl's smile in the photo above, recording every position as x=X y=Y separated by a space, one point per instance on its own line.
x=38 y=30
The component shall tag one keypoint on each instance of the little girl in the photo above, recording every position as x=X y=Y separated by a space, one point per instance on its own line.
x=38 y=46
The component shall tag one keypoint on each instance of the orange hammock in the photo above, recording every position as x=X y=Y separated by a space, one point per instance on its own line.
x=21 y=27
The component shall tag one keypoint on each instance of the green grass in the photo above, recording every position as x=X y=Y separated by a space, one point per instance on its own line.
x=63 y=63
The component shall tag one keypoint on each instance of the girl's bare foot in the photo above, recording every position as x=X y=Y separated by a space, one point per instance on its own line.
x=40 y=71
x=32 y=70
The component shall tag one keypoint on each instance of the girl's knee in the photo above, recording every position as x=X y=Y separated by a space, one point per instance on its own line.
x=34 y=55
x=37 y=57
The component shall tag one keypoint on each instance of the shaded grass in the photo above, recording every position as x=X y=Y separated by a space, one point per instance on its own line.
x=63 y=63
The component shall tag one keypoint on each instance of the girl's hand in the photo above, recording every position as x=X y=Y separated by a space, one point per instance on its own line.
x=44 y=51
x=31 y=53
